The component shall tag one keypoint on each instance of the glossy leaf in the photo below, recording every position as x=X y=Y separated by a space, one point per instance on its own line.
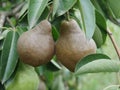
x=53 y=66
x=114 y=5
x=98 y=33
x=55 y=33
x=88 y=17
x=1 y=44
x=55 y=7
x=99 y=66
x=100 y=30
x=97 y=6
x=64 y=6
x=9 y=56
x=102 y=36
x=100 y=20
x=36 y=7
x=24 y=9
x=90 y=58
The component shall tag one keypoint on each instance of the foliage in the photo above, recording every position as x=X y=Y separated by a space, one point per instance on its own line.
x=18 y=16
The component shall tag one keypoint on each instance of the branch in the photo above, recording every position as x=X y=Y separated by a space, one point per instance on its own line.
x=114 y=43
x=2 y=20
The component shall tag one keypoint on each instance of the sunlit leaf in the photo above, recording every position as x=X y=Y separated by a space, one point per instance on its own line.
x=64 y=6
x=53 y=66
x=9 y=56
x=99 y=66
x=55 y=7
x=36 y=7
x=24 y=9
x=88 y=16
x=90 y=58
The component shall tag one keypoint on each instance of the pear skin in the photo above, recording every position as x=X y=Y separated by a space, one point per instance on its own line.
x=36 y=47
x=72 y=45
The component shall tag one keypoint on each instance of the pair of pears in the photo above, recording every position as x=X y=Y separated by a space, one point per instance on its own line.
x=36 y=47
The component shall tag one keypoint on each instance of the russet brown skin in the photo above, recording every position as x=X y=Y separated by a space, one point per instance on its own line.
x=72 y=44
x=36 y=47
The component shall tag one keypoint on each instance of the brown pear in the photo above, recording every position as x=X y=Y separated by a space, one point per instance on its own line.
x=36 y=47
x=72 y=45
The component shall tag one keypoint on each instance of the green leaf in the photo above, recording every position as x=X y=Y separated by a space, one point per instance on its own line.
x=9 y=56
x=55 y=33
x=90 y=58
x=97 y=6
x=100 y=20
x=114 y=5
x=102 y=36
x=98 y=33
x=99 y=66
x=1 y=44
x=24 y=9
x=53 y=66
x=88 y=16
x=55 y=7
x=36 y=7
x=3 y=34
x=58 y=83
x=21 y=29
x=100 y=30
x=64 y=6
x=112 y=87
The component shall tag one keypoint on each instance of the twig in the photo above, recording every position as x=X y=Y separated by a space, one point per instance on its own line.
x=117 y=50
x=114 y=43
x=108 y=87
x=2 y=20
x=14 y=11
x=11 y=24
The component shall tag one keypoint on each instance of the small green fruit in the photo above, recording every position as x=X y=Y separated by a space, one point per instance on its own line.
x=25 y=79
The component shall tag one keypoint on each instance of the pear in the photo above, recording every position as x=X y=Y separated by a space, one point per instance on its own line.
x=25 y=78
x=72 y=45
x=36 y=47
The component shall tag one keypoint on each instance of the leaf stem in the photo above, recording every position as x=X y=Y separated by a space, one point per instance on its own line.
x=114 y=43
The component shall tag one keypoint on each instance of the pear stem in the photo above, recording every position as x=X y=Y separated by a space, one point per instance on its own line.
x=67 y=15
x=49 y=14
x=114 y=43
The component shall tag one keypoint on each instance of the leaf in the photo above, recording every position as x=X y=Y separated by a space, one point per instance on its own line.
x=97 y=6
x=100 y=30
x=99 y=66
x=3 y=34
x=64 y=6
x=88 y=17
x=114 y=5
x=9 y=56
x=53 y=66
x=24 y=9
x=90 y=58
x=2 y=87
x=102 y=36
x=100 y=20
x=36 y=7
x=1 y=44
x=58 y=83
x=55 y=33
x=21 y=29
x=55 y=7
x=112 y=87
